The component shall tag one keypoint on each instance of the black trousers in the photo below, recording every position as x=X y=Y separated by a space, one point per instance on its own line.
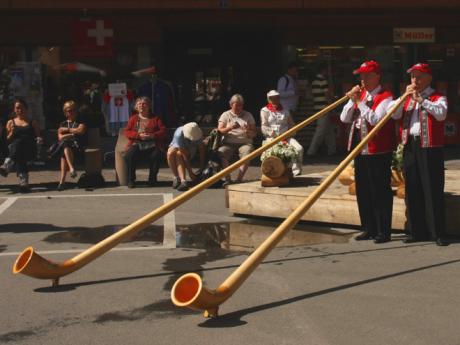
x=133 y=155
x=424 y=174
x=373 y=193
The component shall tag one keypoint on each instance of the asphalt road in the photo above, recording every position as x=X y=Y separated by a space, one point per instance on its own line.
x=325 y=293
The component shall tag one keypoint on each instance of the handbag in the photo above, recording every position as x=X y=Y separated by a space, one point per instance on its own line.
x=145 y=145
x=54 y=149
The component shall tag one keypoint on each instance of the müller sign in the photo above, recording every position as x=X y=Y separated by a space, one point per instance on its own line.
x=414 y=35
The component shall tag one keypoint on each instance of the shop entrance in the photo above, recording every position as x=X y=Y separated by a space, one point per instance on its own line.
x=208 y=67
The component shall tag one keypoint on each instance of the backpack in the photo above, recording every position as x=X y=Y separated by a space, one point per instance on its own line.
x=287 y=81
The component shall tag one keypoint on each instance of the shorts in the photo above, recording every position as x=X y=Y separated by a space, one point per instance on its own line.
x=227 y=151
x=191 y=150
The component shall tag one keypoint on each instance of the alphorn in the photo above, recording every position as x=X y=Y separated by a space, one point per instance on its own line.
x=189 y=291
x=34 y=265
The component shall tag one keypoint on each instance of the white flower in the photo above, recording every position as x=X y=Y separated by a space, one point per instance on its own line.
x=287 y=153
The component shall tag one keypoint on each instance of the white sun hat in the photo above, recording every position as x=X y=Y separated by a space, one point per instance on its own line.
x=192 y=131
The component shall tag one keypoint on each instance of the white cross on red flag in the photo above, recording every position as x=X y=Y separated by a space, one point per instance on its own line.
x=92 y=38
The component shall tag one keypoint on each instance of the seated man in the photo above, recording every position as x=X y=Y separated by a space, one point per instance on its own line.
x=183 y=147
x=238 y=128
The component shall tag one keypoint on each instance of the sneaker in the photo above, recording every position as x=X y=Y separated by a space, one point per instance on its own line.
x=24 y=182
x=6 y=167
x=176 y=182
x=182 y=187
x=227 y=183
x=3 y=171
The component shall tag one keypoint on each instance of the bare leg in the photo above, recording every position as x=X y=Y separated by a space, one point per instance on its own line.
x=225 y=164
x=69 y=158
x=180 y=166
x=64 y=169
x=172 y=161
x=241 y=171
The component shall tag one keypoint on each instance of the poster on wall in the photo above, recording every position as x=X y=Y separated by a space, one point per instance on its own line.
x=117 y=89
x=26 y=83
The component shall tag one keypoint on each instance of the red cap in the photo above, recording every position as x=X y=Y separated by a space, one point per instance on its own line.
x=422 y=67
x=368 y=67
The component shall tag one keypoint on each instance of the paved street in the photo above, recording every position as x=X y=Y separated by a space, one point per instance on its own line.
x=325 y=289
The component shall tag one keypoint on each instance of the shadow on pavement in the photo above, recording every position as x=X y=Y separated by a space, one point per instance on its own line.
x=192 y=267
x=234 y=319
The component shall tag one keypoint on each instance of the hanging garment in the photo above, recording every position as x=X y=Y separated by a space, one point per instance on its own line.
x=117 y=110
x=162 y=96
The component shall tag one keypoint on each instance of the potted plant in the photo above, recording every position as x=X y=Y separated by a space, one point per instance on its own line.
x=277 y=164
x=283 y=150
x=397 y=174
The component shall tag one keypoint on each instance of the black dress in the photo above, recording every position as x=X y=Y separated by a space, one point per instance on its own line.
x=22 y=148
x=76 y=142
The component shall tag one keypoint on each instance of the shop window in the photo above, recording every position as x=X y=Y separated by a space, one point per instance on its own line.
x=210 y=89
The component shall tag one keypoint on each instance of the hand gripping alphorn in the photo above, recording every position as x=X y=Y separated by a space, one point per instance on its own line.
x=32 y=264
x=188 y=290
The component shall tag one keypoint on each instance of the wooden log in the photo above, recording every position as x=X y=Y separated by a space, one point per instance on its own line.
x=282 y=180
x=397 y=178
x=347 y=176
x=352 y=189
x=273 y=167
x=401 y=191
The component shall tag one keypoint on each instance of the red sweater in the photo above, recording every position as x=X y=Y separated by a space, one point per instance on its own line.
x=154 y=126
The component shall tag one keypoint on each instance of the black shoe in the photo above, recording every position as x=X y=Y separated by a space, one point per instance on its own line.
x=131 y=184
x=182 y=187
x=152 y=182
x=364 y=236
x=60 y=187
x=176 y=182
x=24 y=189
x=3 y=171
x=382 y=239
x=442 y=242
x=410 y=239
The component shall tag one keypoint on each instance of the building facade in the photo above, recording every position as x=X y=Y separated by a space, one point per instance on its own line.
x=208 y=50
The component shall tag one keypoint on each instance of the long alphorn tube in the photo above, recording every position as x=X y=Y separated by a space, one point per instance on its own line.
x=32 y=264
x=188 y=290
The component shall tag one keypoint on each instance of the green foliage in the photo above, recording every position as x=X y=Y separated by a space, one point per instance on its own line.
x=397 y=159
x=287 y=153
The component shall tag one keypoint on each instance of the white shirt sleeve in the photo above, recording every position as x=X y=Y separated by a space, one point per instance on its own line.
x=267 y=131
x=398 y=112
x=437 y=108
x=347 y=113
x=373 y=117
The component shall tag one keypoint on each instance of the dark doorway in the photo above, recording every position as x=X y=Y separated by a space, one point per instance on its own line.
x=207 y=67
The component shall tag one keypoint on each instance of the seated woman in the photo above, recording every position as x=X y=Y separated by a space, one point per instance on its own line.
x=22 y=134
x=146 y=133
x=72 y=140
x=238 y=128
x=275 y=121
x=186 y=140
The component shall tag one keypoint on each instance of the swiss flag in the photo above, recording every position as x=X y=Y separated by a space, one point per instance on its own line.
x=92 y=38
